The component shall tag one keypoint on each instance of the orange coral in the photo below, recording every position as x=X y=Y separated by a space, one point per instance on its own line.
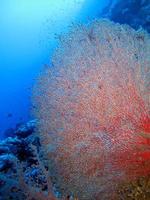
x=93 y=107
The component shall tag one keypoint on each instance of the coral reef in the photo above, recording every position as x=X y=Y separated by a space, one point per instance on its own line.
x=136 y=13
x=93 y=110
x=22 y=174
x=91 y=139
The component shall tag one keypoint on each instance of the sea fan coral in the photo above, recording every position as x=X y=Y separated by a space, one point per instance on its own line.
x=93 y=108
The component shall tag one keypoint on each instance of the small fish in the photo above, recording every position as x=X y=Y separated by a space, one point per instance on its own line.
x=9 y=115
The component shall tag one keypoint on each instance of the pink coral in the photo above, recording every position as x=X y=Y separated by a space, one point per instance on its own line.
x=93 y=107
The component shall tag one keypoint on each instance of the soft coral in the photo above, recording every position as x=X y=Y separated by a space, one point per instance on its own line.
x=93 y=108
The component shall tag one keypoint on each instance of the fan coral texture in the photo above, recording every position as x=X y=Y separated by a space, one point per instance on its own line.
x=93 y=109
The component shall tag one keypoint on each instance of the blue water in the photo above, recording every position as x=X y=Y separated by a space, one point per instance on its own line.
x=28 y=30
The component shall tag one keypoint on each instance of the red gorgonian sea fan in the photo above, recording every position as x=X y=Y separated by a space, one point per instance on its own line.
x=93 y=108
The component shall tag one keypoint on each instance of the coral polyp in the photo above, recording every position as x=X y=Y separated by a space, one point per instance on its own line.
x=93 y=108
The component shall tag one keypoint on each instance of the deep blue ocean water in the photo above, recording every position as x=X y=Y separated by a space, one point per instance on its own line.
x=28 y=30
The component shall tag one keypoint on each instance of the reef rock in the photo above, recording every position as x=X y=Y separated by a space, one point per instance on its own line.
x=135 y=13
x=22 y=174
